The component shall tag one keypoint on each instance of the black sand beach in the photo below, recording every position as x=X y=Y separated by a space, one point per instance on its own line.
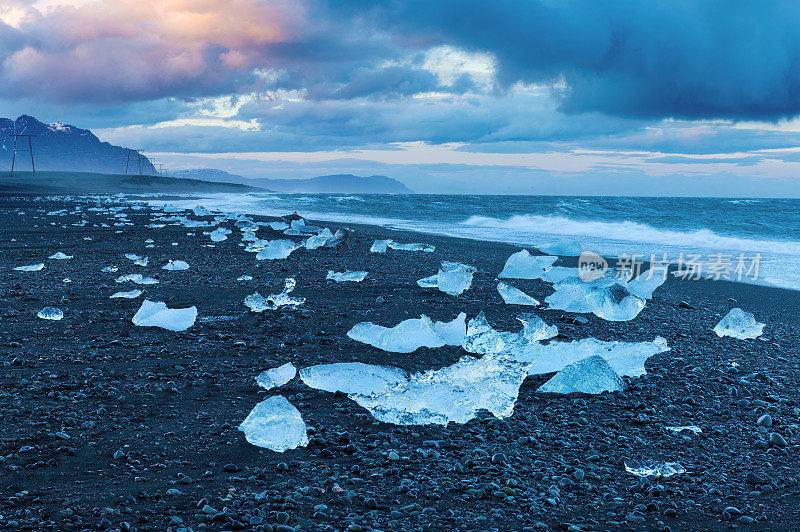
x=111 y=426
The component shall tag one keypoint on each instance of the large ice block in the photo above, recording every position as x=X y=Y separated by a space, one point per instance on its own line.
x=50 y=313
x=352 y=377
x=136 y=278
x=649 y=468
x=380 y=246
x=739 y=324
x=453 y=278
x=411 y=334
x=482 y=338
x=131 y=294
x=219 y=234
x=523 y=265
x=156 y=314
x=30 y=267
x=340 y=277
x=175 y=265
x=275 y=424
x=591 y=375
x=258 y=303
x=276 y=249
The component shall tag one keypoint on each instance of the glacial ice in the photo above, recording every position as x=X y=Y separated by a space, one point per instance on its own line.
x=140 y=262
x=380 y=246
x=245 y=278
x=30 y=267
x=175 y=265
x=275 y=424
x=454 y=393
x=349 y=275
x=136 y=278
x=482 y=338
x=409 y=335
x=199 y=210
x=156 y=314
x=319 y=239
x=685 y=428
x=50 y=313
x=739 y=324
x=453 y=278
x=515 y=296
x=132 y=294
x=557 y=274
x=278 y=226
x=336 y=240
x=276 y=249
x=645 y=284
x=591 y=375
x=132 y=256
x=219 y=234
x=604 y=297
x=352 y=377
x=300 y=226
x=275 y=377
x=648 y=468
x=564 y=248
x=523 y=265
x=60 y=256
x=258 y=303
x=110 y=269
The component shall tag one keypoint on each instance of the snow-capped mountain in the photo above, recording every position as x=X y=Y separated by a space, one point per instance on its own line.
x=60 y=146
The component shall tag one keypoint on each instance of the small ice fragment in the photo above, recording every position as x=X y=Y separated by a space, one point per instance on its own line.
x=429 y=282
x=648 y=468
x=739 y=324
x=564 y=248
x=175 y=265
x=50 y=313
x=131 y=256
x=219 y=234
x=126 y=295
x=300 y=226
x=646 y=283
x=556 y=274
x=30 y=268
x=409 y=335
x=140 y=262
x=136 y=278
x=275 y=377
x=614 y=303
x=340 y=277
x=591 y=375
x=156 y=314
x=245 y=278
x=685 y=428
x=319 y=239
x=60 y=256
x=199 y=210
x=275 y=424
x=523 y=265
x=276 y=249
x=380 y=246
x=110 y=269
x=258 y=303
x=515 y=296
x=482 y=338
x=352 y=377
x=337 y=239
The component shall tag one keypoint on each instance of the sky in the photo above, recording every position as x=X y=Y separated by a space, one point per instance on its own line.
x=634 y=97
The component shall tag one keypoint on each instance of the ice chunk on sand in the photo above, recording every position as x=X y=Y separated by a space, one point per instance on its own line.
x=258 y=303
x=132 y=294
x=132 y=256
x=380 y=246
x=523 y=265
x=175 y=265
x=277 y=249
x=30 y=267
x=685 y=428
x=454 y=278
x=482 y=338
x=199 y=210
x=219 y=234
x=564 y=248
x=648 y=468
x=272 y=378
x=340 y=277
x=136 y=278
x=556 y=274
x=646 y=283
x=515 y=296
x=625 y=358
x=156 y=314
x=245 y=278
x=426 y=248
x=275 y=425
x=110 y=269
x=739 y=324
x=352 y=377
x=60 y=256
x=319 y=239
x=604 y=297
x=50 y=313
x=591 y=375
x=454 y=393
x=300 y=226
x=409 y=335
x=140 y=262
x=278 y=226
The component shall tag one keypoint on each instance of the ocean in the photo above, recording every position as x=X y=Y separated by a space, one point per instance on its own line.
x=747 y=240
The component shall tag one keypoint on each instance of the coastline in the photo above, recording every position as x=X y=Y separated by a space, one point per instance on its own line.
x=185 y=393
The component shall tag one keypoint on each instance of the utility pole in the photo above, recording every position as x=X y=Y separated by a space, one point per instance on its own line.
x=138 y=160
x=20 y=149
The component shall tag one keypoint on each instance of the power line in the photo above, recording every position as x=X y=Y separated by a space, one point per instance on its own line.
x=16 y=149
